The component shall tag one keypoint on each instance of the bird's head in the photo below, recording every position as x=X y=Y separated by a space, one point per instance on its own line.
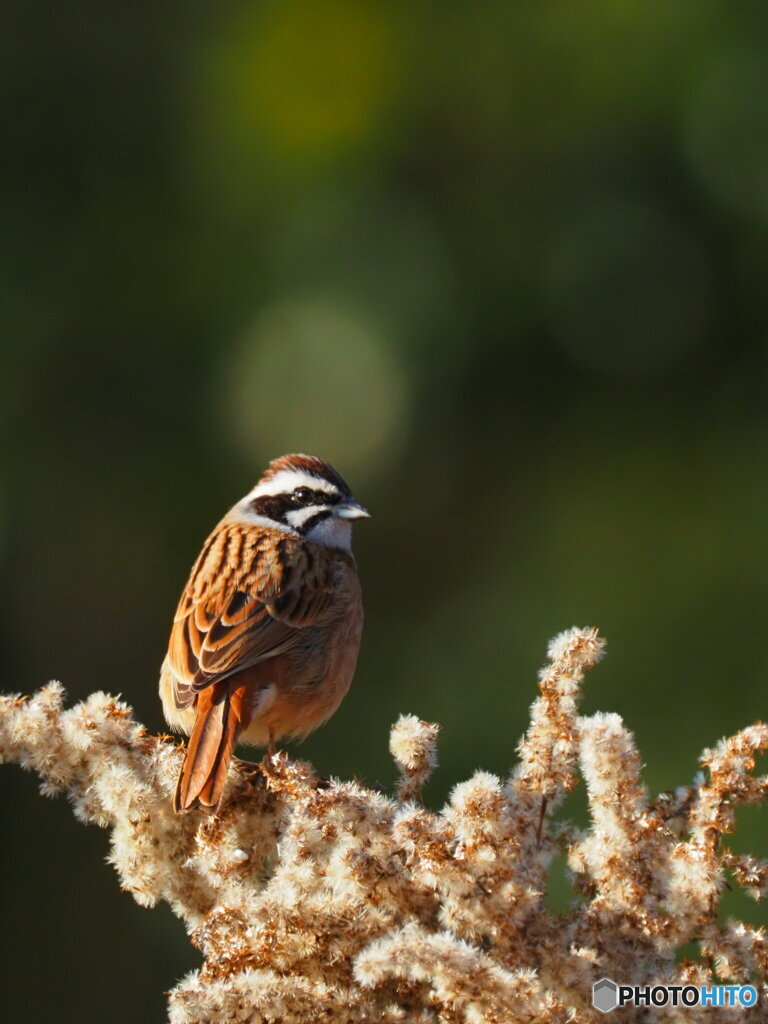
x=305 y=496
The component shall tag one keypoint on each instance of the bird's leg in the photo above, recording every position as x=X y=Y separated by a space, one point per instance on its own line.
x=271 y=747
x=266 y=761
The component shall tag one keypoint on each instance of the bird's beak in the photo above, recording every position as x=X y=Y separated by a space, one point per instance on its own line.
x=351 y=510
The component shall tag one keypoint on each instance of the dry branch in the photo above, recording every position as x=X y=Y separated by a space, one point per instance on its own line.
x=316 y=903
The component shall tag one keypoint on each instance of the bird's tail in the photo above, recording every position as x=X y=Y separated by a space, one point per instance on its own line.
x=220 y=720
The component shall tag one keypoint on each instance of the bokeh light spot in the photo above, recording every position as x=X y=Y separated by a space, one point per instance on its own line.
x=311 y=376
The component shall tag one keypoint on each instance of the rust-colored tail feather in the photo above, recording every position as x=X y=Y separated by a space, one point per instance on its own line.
x=218 y=724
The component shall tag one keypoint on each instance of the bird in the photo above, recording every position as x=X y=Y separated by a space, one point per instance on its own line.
x=265 y=639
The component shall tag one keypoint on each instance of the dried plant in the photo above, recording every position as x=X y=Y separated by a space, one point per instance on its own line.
x=335 y=902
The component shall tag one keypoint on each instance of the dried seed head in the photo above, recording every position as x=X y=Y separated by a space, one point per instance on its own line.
x=337 y=902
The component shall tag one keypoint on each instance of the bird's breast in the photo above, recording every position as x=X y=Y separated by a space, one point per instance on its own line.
x=306 y=684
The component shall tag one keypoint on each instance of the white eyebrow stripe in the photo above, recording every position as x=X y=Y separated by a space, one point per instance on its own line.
x=287 y=480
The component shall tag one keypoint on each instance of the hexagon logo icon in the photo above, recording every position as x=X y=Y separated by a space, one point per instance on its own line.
x=605 y=995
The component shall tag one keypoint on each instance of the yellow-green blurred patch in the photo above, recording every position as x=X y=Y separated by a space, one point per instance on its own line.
x=301 y=81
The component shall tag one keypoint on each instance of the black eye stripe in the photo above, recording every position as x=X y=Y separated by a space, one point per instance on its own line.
x=271 y=506
x=315 y=497
x=324 y=498
x=277 y=506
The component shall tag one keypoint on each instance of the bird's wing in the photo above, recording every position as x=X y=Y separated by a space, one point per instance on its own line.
x=248 y=598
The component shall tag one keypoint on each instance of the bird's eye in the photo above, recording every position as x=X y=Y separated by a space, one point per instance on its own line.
x=302 y=495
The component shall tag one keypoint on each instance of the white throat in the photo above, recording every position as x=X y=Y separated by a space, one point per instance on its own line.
x=332 y=532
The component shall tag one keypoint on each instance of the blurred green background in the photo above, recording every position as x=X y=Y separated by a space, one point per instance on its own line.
x=503 y=264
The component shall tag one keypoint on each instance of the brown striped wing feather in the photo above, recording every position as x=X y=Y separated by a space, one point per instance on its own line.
x=249 y=595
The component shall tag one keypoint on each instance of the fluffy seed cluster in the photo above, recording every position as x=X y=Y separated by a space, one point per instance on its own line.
x=333 y=902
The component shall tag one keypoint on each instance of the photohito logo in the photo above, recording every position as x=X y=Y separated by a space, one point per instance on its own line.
x=607 y=995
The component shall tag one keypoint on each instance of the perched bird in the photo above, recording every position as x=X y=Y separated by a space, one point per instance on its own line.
x=266 y=635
